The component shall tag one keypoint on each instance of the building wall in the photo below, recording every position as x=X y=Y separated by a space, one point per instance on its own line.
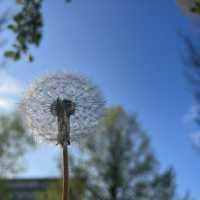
x=27 y=189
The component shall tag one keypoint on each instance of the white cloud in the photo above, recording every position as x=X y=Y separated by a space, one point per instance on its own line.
x=9 y=85
x=10 y=91
x=7 y=104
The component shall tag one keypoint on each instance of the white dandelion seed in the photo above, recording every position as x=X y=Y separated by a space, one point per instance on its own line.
x=38 y=118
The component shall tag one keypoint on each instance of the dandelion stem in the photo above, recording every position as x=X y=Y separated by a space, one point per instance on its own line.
x=65 y=174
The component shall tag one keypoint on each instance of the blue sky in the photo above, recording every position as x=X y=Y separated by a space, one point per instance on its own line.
x=132 y=50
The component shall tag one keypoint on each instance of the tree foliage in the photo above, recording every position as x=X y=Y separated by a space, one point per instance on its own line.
x=163 y=186
x=119 y=153
x=13 y=144
x=196 y=7
x=191 y=55
x=27 y=26
x=117 y=163
x=190 y=7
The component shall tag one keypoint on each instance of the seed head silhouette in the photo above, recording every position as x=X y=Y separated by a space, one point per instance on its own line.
x=50 y=101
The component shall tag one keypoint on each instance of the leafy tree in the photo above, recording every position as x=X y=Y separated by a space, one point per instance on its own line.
x=13 y=144
x=191 y=55
x=119 y=153
x=190 y=7
x=196 y=7
x=163 y=186
x=117 y=163
x=123 y=163
x=27 y=25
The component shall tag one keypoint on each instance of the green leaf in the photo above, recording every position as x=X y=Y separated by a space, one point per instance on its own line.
x=9 y=54
x=30 y=58
x=20 y=1
x=17 y=56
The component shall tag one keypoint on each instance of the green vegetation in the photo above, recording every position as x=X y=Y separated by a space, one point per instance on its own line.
x=190 y=7
x=117 y=163
x=4 y=192
x=196 y=7
x=27 y=26
x=13 y=145
x=78 y=184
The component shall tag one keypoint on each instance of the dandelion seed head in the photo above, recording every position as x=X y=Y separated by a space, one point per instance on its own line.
x=37 y=101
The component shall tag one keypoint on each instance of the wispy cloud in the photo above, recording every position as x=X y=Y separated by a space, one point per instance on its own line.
x=189 y=118
x=9 y=85
x=10 y=91
x=7 y=104
x=192 y=114
x=195 y=138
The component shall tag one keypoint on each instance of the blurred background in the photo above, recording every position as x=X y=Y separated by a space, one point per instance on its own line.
x=145 y=57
